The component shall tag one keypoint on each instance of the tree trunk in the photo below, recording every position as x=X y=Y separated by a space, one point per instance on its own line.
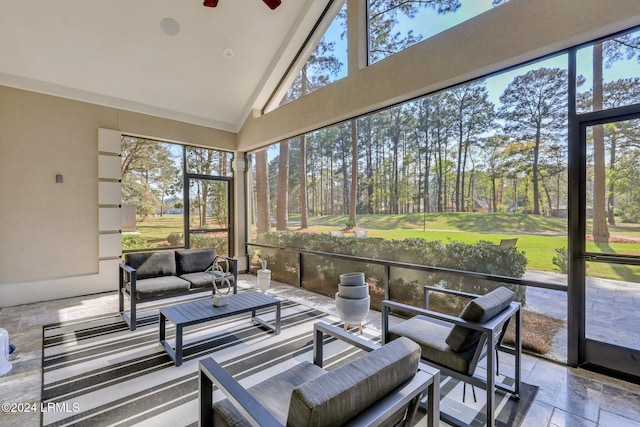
x=282 y=199
x=262 y=193
x=600 y=228
x=354 y=173
x=611 y=219
x=536 y=173
x=458 y=185
x=304 y=212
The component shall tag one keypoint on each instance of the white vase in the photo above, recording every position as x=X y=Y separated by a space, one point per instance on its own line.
x=264 y=278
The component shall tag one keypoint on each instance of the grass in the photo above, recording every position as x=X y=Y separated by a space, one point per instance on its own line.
x=538 y=236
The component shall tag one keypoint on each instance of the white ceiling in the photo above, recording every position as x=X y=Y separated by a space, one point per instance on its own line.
x=114 y=52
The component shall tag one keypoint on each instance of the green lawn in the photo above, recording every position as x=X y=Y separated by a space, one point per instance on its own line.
x=538 y=236
x=157 y=228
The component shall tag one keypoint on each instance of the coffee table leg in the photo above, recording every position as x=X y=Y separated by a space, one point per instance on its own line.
x=278 y=318
x=163 y=328
x=178 y=345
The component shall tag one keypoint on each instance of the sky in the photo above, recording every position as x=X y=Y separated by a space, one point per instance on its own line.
x=428 y=23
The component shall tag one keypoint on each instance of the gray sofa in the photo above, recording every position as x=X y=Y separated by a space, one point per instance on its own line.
x=150 y=276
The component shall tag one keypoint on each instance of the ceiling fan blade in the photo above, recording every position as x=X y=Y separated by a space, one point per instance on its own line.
x=272 y=3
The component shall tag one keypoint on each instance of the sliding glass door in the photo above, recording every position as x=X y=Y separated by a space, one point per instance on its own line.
x=608 y=249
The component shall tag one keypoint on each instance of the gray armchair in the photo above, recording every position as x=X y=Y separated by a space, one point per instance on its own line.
x=383 y=387
x=455 y=345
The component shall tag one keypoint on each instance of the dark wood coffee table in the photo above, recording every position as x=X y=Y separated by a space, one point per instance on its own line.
x=193 y=313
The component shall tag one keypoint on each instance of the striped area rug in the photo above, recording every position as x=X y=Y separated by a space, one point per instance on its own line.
x=96 y=372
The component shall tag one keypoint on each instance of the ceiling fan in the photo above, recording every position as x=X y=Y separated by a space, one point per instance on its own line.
x=271 y=3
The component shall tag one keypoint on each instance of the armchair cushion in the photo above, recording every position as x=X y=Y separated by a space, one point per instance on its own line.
x=478 y=310
x=273 y=393
x=343 y=393
x=430 y=334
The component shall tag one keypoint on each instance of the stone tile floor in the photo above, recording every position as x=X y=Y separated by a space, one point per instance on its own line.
x=567 y=397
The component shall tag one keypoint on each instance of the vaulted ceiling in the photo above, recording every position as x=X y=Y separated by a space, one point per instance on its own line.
x=222 y=62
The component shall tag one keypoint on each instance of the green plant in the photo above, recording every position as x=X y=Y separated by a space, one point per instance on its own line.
x=203 y=241
x=482 y=257
x=175 y=239
x=134 y=241
x=560 y=260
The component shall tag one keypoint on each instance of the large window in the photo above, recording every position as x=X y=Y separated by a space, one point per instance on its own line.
x=153 y=195
x=325 y=65
x=441 y=180
x=609 y=74
x=451 y=180
x=395 y=25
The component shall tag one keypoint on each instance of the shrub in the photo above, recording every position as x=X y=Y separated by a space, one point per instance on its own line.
x=175 y=239
x=560 y=260
x=204 y=241
x=482 y=257
x=134 y=241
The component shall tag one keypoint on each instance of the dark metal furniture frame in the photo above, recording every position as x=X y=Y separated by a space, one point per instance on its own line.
x=128 y=274
x=492 y=334
x=193 y=313
x=426 y=379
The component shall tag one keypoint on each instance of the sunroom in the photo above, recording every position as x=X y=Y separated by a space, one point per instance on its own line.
x=404 y=140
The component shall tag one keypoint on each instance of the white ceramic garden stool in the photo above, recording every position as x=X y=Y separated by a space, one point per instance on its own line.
x=5 y=365
x=352 y=300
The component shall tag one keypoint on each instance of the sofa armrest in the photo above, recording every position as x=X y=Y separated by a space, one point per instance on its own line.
x=211 y=373
x=128 y=274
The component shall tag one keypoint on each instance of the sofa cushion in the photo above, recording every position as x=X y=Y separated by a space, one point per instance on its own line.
x=153 y=264
x=335 y=398
x=431 y=334
x=273 y=393
x=198 y=281
x=478 y=310
x=194 y=260
x=157 y=286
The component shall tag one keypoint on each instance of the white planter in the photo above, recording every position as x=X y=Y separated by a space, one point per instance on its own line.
x=352 y=311
x=352 y=279
x=264 y=280
x=5 y=365
x=353 y=292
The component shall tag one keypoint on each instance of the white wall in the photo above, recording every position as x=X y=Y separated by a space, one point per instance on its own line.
x=52 y=235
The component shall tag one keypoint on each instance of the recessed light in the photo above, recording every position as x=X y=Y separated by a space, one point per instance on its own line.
x=170 y=26
x=227 y=53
